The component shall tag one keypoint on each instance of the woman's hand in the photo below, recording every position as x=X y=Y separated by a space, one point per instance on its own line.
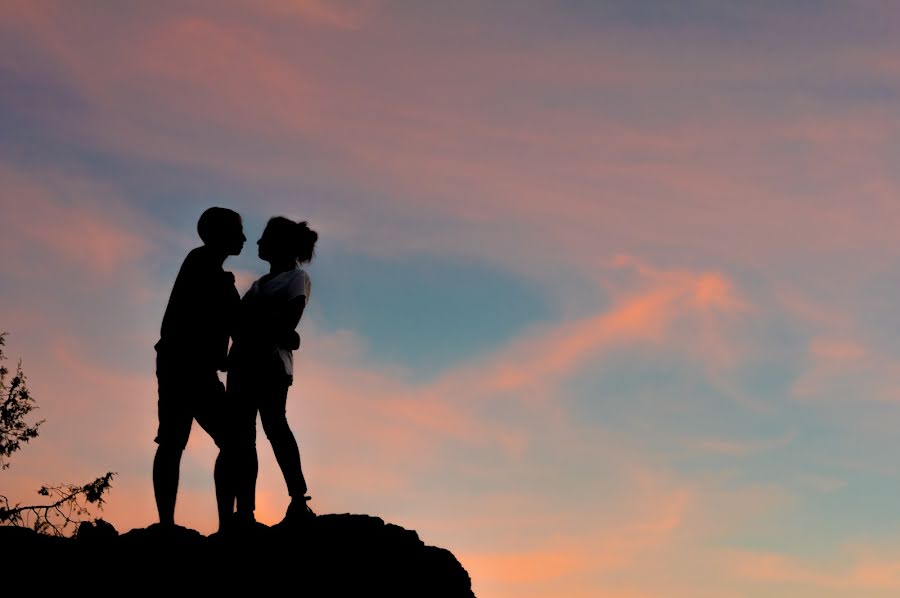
x=291 y=341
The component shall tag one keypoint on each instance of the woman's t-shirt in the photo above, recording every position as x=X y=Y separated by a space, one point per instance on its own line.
x=274 y=293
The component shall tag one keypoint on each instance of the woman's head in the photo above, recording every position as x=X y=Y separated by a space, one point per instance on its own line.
x=284 y=239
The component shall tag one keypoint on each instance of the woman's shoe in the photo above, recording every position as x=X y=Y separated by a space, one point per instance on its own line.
x=298 y=512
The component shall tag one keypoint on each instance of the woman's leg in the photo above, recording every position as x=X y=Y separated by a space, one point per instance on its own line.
x=272 y=411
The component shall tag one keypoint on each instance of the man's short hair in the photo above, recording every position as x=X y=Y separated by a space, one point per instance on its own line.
x=213 y=221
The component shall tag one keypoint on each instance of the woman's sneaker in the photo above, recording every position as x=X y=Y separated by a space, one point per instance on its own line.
x=298 y=512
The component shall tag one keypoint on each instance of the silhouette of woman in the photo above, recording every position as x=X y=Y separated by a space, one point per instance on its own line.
x=260 y=368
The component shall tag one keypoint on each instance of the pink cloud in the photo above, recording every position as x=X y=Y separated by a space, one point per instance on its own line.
x=240 y=89
x=68 y=221
x=342 y=15
x=844 y=368
x=864 y=573
x=836 y=350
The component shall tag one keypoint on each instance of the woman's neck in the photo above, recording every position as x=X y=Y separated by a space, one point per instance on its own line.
x=277 y=267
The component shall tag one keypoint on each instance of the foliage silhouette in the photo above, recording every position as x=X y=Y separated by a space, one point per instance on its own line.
x=70 y=503
x=17 y=404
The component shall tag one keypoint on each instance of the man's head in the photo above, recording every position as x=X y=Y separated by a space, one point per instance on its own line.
x=222 y=230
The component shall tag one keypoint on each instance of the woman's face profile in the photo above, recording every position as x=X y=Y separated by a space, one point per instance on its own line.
x=269 y=246
x=263 y=245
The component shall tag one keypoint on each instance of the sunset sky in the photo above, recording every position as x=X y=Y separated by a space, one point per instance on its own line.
x=607 y=294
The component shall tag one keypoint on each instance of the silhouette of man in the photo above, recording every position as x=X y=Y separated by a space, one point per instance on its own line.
x=193 y=346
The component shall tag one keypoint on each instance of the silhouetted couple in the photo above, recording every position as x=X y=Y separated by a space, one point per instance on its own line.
x=204 y=311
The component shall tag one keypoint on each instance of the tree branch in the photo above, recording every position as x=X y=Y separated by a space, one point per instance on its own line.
x=71 y=505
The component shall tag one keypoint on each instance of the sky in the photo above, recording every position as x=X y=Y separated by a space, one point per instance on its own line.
x=606 y=294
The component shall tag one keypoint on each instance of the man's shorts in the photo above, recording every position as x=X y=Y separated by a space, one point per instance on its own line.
x=186 y=396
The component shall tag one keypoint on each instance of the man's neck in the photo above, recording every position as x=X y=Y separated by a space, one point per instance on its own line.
x=217 y=257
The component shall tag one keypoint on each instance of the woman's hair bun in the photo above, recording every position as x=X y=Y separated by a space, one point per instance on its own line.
x=306 y=242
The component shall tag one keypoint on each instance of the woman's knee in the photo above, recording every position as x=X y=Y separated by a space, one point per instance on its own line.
x=276 y=427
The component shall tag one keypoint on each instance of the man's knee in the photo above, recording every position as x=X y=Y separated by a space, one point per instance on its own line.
x=171 y=448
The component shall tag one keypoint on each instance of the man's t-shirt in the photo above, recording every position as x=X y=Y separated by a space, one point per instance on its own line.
x=200 y=315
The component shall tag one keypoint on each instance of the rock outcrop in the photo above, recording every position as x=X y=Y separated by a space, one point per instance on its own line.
x=329 y=555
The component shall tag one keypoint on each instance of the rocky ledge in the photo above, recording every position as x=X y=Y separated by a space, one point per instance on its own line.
x=329 y=555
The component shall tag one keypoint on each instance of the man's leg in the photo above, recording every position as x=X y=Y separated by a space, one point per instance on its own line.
x=212 y=412
x=223 y=475
x=235 y=473
x=245 y=459
x=230 y=424
x=166 y=464
x=174 y=430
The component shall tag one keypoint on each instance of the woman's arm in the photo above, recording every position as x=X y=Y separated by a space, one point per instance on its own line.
x=288 y=320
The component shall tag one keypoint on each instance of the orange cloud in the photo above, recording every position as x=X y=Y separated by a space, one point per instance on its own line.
x=527 y=567
x=836 y=350
x=645 y=518
x=643 y=317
